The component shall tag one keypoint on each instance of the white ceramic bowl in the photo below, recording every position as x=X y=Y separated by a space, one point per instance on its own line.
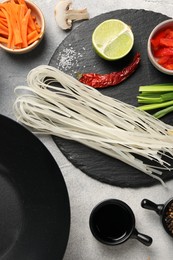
x=161 y=26
x=35 y=11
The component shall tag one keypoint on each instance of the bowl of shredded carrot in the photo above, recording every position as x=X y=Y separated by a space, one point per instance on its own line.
x=22 y=26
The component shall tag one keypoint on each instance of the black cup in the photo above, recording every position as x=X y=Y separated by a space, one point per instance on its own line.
x=112 y=222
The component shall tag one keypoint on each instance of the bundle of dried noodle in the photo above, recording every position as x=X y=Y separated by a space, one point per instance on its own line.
x=57 y=104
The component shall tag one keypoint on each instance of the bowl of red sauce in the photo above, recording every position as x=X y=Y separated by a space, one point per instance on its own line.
x=160 y=47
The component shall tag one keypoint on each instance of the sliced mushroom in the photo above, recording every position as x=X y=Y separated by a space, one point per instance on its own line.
x=65 y=15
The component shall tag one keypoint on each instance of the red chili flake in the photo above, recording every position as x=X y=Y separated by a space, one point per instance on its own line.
x=155 y=42
x=163 y=60
x=114 y=78
x=163 y=52
x=167 y=42
x=162 y=48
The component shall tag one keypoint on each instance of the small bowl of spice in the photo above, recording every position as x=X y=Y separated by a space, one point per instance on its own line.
x=165 y=211
x=160 y=47
x=22 y=26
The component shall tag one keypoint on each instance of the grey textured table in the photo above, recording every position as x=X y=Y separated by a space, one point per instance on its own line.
x=84 y=192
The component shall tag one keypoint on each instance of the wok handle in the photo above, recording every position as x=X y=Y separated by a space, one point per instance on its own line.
x=148 y=204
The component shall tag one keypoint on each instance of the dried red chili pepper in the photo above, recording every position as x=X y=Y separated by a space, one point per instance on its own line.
x=104 y=80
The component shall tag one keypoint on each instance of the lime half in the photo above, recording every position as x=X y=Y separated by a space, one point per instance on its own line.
x=112 y=39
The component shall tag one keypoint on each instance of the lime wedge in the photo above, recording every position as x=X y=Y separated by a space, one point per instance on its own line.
x=112 y=39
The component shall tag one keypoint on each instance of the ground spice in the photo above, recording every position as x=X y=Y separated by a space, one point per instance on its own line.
x=169 y=218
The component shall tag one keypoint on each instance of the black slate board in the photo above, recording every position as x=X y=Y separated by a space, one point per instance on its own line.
x=75 y=54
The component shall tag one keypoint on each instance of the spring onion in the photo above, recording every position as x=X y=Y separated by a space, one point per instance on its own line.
x=156 y=97
x=55 y=103
x=165 y=87
x=163 y=112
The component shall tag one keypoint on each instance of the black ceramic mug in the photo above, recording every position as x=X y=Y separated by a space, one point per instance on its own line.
x=112 y=222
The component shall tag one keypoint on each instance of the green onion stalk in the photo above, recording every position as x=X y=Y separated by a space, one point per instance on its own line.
x=156 y=97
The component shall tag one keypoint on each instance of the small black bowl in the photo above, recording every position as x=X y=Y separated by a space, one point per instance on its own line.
x=165 y=211
x=112 y=222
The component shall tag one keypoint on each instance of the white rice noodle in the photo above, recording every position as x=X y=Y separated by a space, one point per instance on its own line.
x=78 y=112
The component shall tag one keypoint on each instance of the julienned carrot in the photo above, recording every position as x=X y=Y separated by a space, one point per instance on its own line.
x=3 y=22
x=3 y=27
x=31 y=23
x=1 y=14
x=15 y=24
x=3 y=33
x=7 y=15
x=18 y=27
x=3 y=39
x=33 y=36
x=22 y=2
x=24 y=28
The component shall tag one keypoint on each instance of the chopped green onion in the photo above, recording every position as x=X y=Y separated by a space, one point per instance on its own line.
x=155 y=106
x=163 y=112
x=157 y=88
x=156 y=96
